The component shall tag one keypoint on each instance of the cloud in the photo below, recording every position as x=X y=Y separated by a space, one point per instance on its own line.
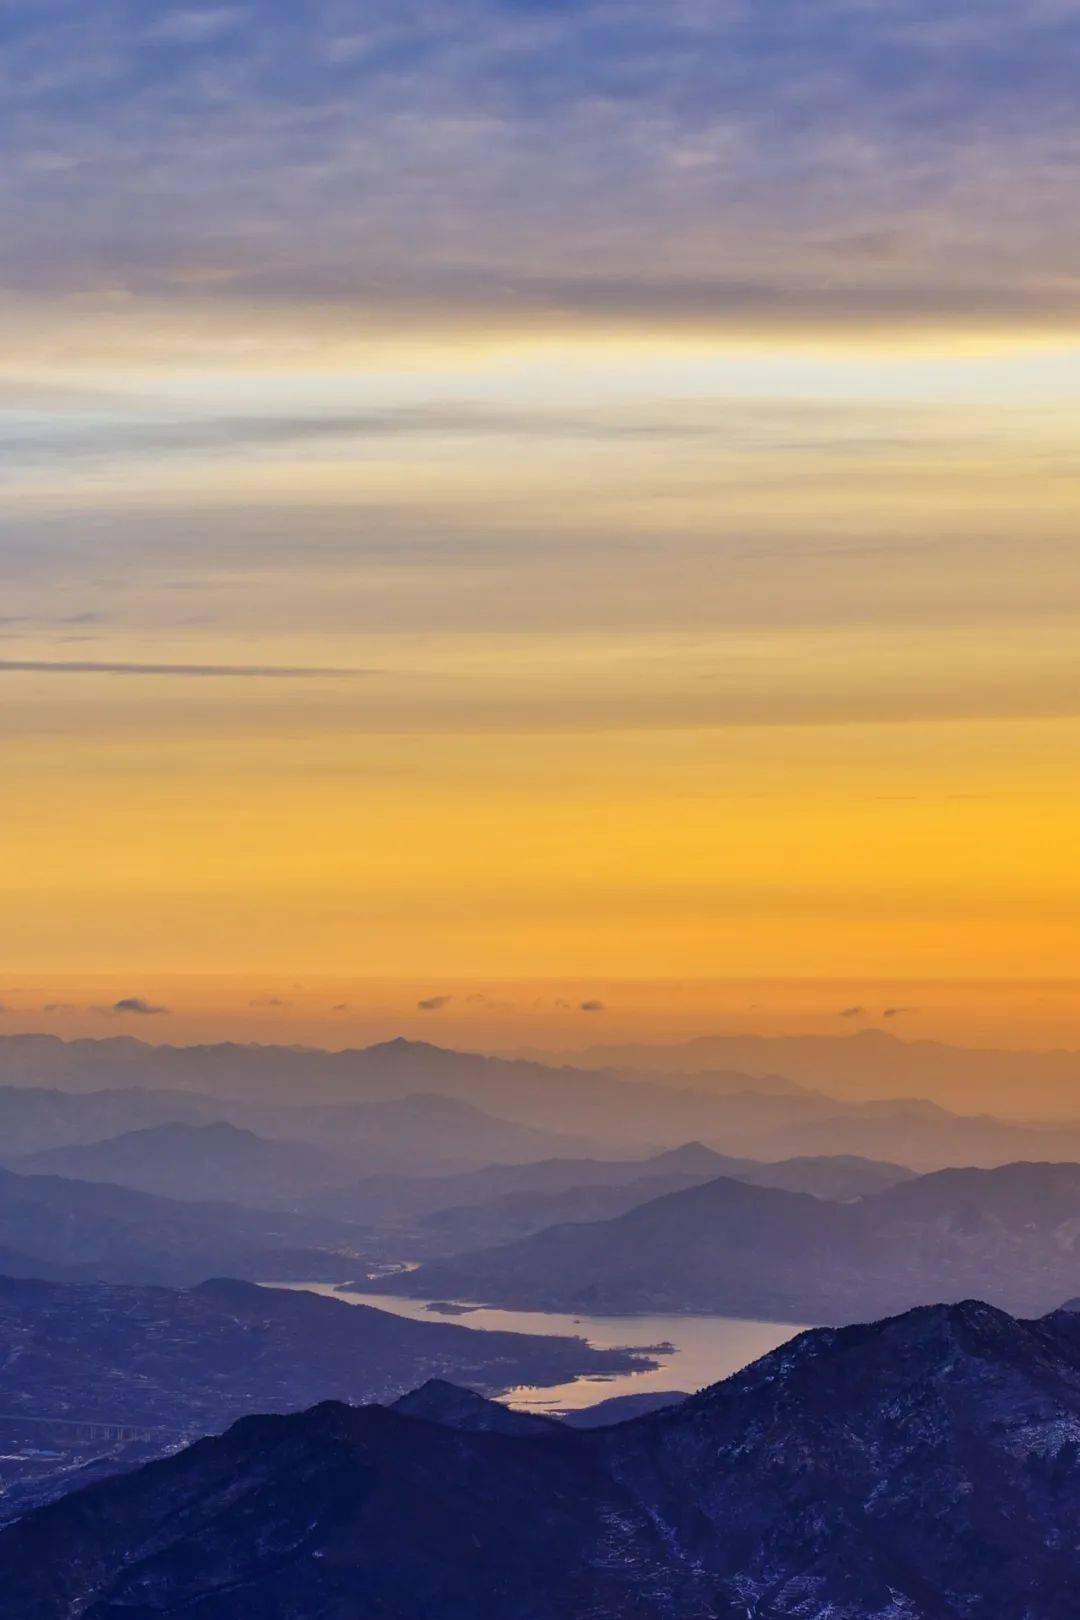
x=906 y=161
x=268 y=1001
x=896 y=1012
x=851 y=1012
x=8 y=619
x=138 y=1005
x=113 y=436
x=192 y=26
x=51 y=1007
x=41 y=666
x=341 y=1007
x=491 y=1003
x=591 y=1007
x=433 y=1003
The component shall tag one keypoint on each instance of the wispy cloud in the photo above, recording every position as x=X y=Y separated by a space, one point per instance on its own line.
x=910 y=161
x=190 y=25
x=44 y=666
x=29 y=445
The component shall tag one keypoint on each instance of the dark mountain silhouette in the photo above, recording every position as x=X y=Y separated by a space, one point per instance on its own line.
x=195 y=1359
x=1011 y=1235
x=181 y=1363
x=440 y=1401
x=621 y=1408
x=925 y=1466
x=458 y=1408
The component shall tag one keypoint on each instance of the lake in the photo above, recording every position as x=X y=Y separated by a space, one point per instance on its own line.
x=703 y=1348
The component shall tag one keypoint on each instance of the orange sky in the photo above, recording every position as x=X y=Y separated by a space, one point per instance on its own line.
x=513 y=1015
x=491 y=525
x=784 y=687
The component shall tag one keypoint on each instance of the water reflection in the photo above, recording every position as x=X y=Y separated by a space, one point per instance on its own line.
x=692 y=1350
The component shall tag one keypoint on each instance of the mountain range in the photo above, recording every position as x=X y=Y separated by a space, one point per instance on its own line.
x=423 y=1216
x=67 y=1227
x=67 y=1230
x=182 y=1363
x=306 y=1094
x=924 y=1467
x=426 y=1136
x=870 y=1063
x=194 y=1162
x=1011 y=1235
x=419 y=1131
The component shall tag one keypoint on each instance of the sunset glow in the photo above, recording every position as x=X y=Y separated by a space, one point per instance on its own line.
x=434 y=551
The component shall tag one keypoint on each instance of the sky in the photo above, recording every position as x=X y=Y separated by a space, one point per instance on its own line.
x=580 y=496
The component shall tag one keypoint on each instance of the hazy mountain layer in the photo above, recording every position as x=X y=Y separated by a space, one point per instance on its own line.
x=293 y=1093
x=428 y=1216
x=869 y=1063
x=1011 y=1235
x=422 y=1132
x=421 y=1135
x=194 y=1162
x=64 y=1229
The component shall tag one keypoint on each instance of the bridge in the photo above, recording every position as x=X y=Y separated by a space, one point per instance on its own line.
x=75 y=1429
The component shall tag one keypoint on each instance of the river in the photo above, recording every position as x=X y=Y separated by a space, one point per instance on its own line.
x=703 y=1348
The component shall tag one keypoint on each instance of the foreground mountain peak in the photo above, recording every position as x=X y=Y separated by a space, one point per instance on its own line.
x=926 y=1466
x=439 y=1401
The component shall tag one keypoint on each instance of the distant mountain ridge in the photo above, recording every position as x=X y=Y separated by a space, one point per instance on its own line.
x=1011 y=1235
x=421 y=1217
x=67 y=1092
x=924 y=1467
x=867 y=1063
x=67 y=1230
x=194 y=1160
x=600 y=1112
x=537 y=1095
x=382 y=1197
